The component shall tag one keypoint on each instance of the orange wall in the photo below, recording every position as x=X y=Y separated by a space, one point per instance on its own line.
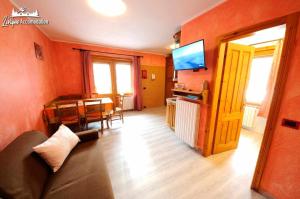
x=68 y=64
x=25 y=82
x=282 y=174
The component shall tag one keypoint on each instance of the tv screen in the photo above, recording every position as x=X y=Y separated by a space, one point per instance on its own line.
x=189 y=57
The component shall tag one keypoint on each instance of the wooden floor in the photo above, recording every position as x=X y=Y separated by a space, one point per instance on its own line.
x=145 y=160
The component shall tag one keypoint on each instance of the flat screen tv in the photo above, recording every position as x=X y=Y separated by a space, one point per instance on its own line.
x=189 y=57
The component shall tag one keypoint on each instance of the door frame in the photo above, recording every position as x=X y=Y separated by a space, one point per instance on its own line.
x=291 y=22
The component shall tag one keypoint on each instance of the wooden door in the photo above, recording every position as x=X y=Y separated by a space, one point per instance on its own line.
x=153 y=89
x=238 y=60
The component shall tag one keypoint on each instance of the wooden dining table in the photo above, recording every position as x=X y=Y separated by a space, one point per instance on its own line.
x=51 y=113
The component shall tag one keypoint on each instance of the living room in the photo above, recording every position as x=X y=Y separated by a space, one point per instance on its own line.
x=122 y=58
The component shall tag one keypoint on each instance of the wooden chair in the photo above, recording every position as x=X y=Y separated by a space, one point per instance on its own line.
x=94 y=111
x=67 y=113
x=45 y=119
x=51 y=124
x=117 y=113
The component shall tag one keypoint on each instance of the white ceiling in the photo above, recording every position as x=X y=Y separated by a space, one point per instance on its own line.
x=147 y=25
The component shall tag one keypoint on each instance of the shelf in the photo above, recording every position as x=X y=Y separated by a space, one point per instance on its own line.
x=187 y=91
x=203 y=96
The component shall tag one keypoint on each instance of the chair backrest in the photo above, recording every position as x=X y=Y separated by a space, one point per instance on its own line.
x=67 y=111
x=93 y=107
x=70 y=97
x=120 y=101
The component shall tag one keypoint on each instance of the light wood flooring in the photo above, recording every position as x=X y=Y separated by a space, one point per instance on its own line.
x=146 y=161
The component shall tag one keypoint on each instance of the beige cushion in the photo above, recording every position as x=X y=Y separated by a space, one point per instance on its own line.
x=56 y=149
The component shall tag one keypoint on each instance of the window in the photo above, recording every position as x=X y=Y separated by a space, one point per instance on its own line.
x=102 y=78
x=112 y=77
x=123 y=78
x=259 y=79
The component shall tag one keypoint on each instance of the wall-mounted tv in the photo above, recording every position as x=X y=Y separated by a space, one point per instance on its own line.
x=189 y=57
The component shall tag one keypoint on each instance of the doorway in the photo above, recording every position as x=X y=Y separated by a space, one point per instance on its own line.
x=291 y=22
x=248 y=80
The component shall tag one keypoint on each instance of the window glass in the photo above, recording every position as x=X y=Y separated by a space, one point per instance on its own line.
x=102 y=78
x=259 y=79
x=123 y=78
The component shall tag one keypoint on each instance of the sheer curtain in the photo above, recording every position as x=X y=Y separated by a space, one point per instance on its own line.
x=266 y=104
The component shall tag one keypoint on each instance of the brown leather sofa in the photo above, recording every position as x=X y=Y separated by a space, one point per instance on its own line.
x=23 y=174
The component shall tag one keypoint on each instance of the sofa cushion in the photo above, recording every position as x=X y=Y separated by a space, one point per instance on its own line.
x=83 y=175
x=22 y=173
x=56 y=149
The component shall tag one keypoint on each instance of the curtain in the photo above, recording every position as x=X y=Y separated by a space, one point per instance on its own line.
x=266 y=104
x=137 y=84
x=87 y=71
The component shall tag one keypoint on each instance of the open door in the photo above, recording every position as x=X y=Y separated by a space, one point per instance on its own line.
x=231 y=103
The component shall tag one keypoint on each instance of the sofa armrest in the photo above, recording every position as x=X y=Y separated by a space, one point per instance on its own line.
x=88 y=135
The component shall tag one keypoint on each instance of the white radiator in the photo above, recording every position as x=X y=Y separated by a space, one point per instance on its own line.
x=128 y=103
x=250 y=114
x=187 y=121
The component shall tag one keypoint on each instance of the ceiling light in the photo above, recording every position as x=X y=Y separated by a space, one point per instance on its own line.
x=110 y=8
